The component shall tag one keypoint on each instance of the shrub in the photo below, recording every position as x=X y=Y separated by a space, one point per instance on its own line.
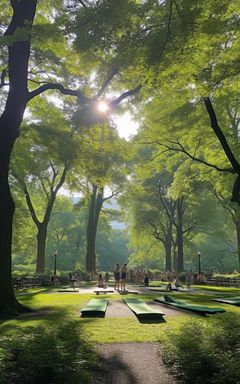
x=205 y=352
x=41 y=356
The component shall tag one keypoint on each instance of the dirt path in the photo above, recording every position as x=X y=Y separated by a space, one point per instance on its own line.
x=131 y=363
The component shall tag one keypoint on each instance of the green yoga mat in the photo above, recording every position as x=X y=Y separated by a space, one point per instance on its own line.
x=95 y=308
x=189 y=307
x=142 y=310
x=230 y=300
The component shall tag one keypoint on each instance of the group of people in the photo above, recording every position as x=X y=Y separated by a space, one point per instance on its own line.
x=120 y=276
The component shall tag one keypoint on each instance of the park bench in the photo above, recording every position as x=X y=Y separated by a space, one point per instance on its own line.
x=104 y=290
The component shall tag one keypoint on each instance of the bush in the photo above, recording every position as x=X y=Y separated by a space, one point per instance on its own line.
x=205 y=352
x=41 y=356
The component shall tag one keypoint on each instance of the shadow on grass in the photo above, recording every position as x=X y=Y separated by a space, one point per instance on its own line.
x=152 y=320
x=44 y=314
x=92 y=315
x=47 y=316
x=28 y=295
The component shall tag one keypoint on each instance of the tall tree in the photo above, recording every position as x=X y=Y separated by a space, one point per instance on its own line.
x=103 y=163
x=47 y=171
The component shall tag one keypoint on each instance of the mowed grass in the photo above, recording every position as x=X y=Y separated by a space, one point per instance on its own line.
x=53 y=309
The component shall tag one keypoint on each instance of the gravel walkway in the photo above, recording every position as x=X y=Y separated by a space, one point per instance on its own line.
x=131 y=363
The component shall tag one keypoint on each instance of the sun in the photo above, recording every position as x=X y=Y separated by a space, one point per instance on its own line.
x=102 y=106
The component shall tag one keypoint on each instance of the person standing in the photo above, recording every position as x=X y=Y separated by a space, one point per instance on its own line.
x=117 y=276
x=106 y=277
x=123 y=277
x=146 y=279
x=189 y=279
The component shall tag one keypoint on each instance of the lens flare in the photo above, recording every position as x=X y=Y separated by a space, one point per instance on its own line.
x=102 y=106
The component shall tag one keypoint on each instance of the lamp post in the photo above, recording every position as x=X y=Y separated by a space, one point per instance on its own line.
x=55 y=262
x=199 y=262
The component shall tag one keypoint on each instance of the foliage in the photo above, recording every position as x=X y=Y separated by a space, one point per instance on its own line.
x=66 y=234
x=112 y=249
x=38 y=355
x=205 y=352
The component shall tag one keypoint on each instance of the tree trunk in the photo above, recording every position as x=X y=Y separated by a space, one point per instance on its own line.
x=93 y=217
x=8 y=303
x=10 y=121
x=237 y=223
x=168 y=249
x=174 y=258
x=168 y=264
x=180 y=235
x=41 y=246
x=42 y=227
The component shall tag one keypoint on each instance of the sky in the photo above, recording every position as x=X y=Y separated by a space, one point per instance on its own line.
x=125 y=125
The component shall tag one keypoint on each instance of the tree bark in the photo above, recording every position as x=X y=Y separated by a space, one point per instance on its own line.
x=237 y=223
x=41 y=246
x=226 y=147
x=168 y=249
x=8 y=302
x=168 y=255
x=95 y=206
x=10 y=121
x=42 y=227
x=179 y=228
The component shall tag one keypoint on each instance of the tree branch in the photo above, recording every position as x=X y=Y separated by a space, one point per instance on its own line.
x=81 y=2
x=44 y=188
x=156 y=233
x=71 y=92
x=114 y=193
x=221 y=137
x=222 y=78
x=30 y=207
x=183 y=150
x=189 y=229
x=2 y=79
x=169 y=24
x=111 y=75
x=113 y=104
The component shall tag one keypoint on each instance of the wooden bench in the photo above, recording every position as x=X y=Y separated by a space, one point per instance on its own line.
x=98 y=291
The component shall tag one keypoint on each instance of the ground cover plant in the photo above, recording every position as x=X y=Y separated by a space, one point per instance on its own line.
x=205 y=352
x=37 y=355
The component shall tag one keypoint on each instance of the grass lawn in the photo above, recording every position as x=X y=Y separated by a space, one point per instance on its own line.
x=54 y=309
